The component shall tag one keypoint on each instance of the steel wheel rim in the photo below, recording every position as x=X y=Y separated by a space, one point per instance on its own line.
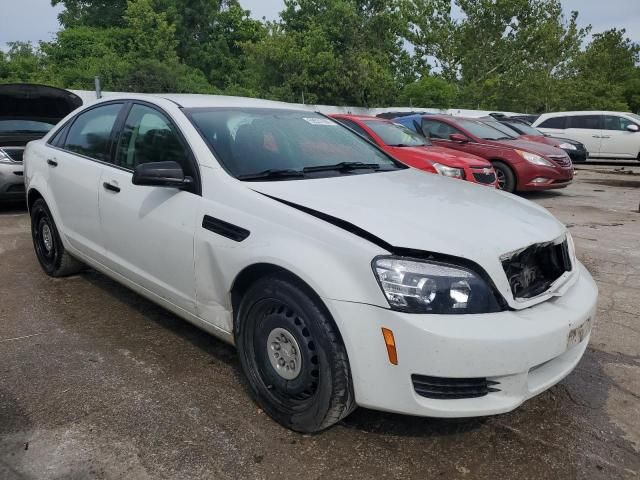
x=283 y=352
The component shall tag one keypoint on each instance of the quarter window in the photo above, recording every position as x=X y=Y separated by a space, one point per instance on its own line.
x=587 y=122
x=554 y=122
x=148 y=136
x=90 y=134
x=612 y=122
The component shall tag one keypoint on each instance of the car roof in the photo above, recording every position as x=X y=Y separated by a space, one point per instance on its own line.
x=205 y=101
x=585 y=112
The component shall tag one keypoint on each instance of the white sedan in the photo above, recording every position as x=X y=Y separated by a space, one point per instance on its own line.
x=343 y=277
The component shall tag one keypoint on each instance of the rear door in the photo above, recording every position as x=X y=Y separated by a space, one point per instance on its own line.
x=75 y=166
x=586 y=129
x=617 y=141
x=149 y=231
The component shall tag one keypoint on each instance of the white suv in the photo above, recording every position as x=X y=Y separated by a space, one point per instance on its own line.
x=605 y=134
x=343 y=277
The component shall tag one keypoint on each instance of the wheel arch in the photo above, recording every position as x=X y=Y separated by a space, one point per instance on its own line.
x=254 y=272
x=33 y=195
x=508 y=164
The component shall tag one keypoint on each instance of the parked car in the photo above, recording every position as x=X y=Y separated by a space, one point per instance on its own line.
x=342 y=276
x=576 y=150
x=414 y=150
x=27 y=112
x=605 y=134
x=520 y=165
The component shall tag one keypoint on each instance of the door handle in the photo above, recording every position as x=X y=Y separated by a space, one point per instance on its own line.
x=605 y=136
x=110 y=187
x=52 y=162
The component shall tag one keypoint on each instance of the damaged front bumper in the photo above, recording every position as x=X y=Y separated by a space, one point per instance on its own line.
x=514 y=354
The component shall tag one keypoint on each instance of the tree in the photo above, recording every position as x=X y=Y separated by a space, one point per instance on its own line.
x=429 y=92
x=91 y=13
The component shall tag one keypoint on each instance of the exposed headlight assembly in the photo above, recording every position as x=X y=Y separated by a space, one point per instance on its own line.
x=426 y=286
x=535 y=159
x=448 y=171
x=567 y=146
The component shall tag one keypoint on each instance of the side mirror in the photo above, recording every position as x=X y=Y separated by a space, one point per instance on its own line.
x=633 y=128
x=458 y=137
x=161 y=174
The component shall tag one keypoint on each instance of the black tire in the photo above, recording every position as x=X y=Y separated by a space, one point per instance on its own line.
x=506 y=177
x=54 y=259
x=322 y=393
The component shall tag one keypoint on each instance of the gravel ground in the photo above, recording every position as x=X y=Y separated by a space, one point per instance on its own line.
x=97 y=382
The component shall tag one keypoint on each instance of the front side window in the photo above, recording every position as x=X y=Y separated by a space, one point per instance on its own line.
x=148 y=136
x=90 y=134
x=254 y=141
x=613 y=122
x=586 y=122
x=438 y=130
x=395 y=135
x=558 y=123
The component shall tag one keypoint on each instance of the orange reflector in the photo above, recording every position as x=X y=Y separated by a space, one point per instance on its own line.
x=390 y=342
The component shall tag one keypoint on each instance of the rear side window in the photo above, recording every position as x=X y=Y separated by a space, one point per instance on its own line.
x=613 y=122
x=148 y=136
x=554 y=122
x=588 y=122
x=90 y=134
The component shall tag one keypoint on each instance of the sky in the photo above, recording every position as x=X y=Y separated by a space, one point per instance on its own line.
x=33 y=20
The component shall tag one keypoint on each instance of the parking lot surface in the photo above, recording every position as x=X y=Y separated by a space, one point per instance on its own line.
x=97 y=382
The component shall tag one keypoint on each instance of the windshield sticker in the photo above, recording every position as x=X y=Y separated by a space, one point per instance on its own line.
x=319 y=121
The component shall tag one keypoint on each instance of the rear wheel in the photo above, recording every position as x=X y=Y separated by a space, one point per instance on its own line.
x=292 y=356
x=506 y=177
x=53 y=257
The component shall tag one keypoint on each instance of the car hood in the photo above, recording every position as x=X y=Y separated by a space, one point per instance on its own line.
x=432 y=153
x=414 y=210
x=533 y=147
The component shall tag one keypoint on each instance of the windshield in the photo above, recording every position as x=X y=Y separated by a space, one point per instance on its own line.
x=24 y=126
x=634 y=116
x=258 y=142
x=482 y=130
x=525 y=129
x=503 y=128
x=395 y=135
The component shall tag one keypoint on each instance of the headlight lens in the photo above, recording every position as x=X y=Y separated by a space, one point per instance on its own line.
x=449 y=171
x=567 y=146
x=4 y=157
x=425 y=286
x=535 y=159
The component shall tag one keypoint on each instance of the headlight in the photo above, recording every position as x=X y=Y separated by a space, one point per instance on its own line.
x=425 y=286
x=567 y=146
x=449 y=171
x=535 y=159
x=4 y=157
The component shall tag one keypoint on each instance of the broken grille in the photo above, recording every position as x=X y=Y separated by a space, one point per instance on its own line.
x=533 y=270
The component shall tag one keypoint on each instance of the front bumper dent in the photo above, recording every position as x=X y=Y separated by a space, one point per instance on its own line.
x=525 y=352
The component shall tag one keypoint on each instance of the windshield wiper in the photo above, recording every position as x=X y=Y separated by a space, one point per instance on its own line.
x=342 y=167
x=272 y=174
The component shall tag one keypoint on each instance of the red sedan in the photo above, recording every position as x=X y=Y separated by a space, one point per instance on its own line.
x=520 y=165
x=413 y=150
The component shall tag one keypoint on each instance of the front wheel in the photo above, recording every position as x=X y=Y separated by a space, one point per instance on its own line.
x=53 y=257
x=292 y=356
x=506 y=177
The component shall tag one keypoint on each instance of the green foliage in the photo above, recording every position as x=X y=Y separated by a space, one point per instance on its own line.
x=517 y=55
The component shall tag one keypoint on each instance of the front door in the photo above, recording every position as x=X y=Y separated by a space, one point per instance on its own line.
x=149 y=231
x=617 y=141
